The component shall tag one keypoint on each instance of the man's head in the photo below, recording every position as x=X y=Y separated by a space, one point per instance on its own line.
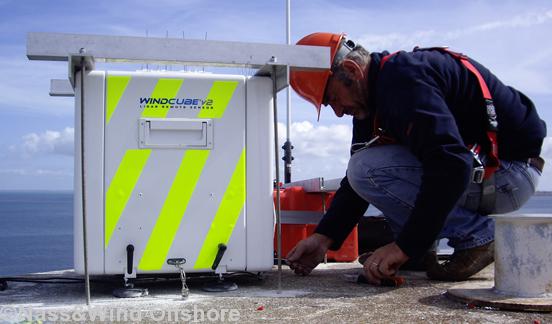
x=344 y=86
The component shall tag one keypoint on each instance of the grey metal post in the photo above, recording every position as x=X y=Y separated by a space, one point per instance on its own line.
x=287 y=145
x=323 y=193
x=84 y=237
x=288 y=41
x=277 y=159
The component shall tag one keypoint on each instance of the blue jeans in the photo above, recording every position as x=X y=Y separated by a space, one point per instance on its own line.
x=389 y=177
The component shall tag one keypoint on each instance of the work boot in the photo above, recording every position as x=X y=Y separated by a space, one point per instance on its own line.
x=462 y=264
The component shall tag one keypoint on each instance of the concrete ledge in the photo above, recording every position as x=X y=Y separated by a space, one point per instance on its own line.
x=322 y=297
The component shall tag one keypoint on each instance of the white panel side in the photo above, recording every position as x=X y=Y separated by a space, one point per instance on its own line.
x=94 y=83
x=140 y=215
x=260 y=160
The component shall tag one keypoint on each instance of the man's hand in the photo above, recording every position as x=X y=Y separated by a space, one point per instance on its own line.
x=384 y=263
x=308 y=253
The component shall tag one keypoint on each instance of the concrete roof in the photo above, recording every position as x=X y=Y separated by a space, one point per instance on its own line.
x=324 y=296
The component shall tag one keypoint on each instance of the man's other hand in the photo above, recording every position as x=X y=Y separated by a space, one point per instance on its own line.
x=308 y=253
x=384 y=263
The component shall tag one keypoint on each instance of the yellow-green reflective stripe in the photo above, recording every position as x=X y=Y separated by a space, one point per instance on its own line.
x=121 y=188
x=220 y=94
x=183 y=186
x=133 y=162
x=116 y=85
x=165 y=89
x=169 y=219
x=226 y=217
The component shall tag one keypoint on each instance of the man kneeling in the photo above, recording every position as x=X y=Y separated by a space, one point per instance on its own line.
x=439 y=143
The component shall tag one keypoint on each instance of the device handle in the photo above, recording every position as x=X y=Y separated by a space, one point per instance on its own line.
x=220 y=253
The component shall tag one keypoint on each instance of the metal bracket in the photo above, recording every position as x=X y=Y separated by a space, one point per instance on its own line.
x=65 y=88
x=301 y=216
x=316 y=185
x=61 y=88
x=179 y=264
x=130 y=275
x=104 y=48
x=221 y=269
x=280 y=70
x=75 y=61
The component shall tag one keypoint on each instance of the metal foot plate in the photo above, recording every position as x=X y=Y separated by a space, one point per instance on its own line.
x=220 y=286
x=483 y=294
x=130 y=292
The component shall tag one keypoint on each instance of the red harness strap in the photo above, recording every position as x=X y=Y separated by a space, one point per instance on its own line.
x=492 y=162
x=386 y=58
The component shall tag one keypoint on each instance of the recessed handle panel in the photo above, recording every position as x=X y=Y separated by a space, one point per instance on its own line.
x=173 y=133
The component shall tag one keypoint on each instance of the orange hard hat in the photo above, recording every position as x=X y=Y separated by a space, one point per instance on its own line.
x=311 y=84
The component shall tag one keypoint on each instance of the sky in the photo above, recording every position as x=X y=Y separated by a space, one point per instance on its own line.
x=512 y=38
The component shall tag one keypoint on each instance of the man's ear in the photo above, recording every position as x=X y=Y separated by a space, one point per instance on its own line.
x=355 y=71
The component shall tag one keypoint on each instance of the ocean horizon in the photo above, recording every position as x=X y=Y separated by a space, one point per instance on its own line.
x=36 y=232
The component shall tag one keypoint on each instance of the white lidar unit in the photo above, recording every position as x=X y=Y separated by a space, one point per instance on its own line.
x=173 y=167
x=175 y=164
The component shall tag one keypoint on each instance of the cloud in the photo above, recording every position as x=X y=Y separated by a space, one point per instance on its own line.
x=48 y=142
x=320 y=151
x=19 y=172
x=36 y=172
x=526 y=20
x=547 y=148
x=25 y=84
x=513 y=45
x=431 y=36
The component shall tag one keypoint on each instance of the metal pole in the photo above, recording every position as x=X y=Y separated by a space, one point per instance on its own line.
x=287 y=145
x=288 y=41
x=147 y=65
x=83 y=198
x=277 y=160
x=324 y=211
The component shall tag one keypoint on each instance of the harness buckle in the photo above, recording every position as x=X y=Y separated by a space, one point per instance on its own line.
x=478 y=172
x=491 y=115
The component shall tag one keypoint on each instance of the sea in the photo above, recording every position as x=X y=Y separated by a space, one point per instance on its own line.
x=36 y=229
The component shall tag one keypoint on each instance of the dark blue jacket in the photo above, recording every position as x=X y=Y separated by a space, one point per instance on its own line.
x=428 y=101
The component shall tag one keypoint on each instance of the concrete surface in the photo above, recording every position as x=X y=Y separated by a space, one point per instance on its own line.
x=322 y=297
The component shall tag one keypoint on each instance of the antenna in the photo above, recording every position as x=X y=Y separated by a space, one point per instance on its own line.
x=147 y=65
x=205 y=39
x=166 y=36
x=287 y=145
x=184 y=67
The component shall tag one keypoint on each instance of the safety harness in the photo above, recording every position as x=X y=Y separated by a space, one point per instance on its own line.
x=483 y=171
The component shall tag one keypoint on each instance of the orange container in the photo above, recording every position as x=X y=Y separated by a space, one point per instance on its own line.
x=349 y=249
x=295 y=198
x=291 y=235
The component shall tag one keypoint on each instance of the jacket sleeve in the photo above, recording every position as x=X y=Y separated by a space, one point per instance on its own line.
x=344 y=213
x=347 y=207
